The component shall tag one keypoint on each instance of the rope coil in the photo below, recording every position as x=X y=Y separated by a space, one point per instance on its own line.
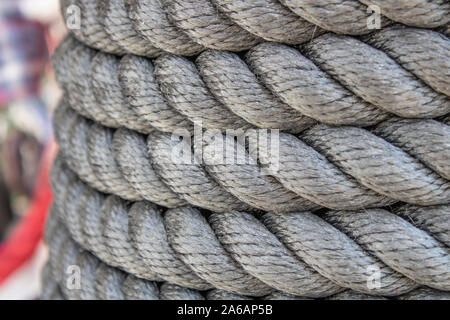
x=364 y=166
x=58 y=236
x=361 y=121
x=165 y=93
x=187 y=27
x=140 y=230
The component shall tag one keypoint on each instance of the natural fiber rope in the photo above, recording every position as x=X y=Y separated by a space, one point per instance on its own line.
x=140 y=233
x=148 y=27
x=369 y=171
x=269 y=232
x=67 y=251
x=221 y=91
x=445 y=29
x=100 y=281
x=50 y=288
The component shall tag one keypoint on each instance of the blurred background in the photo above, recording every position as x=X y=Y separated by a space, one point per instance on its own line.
x=29 y=32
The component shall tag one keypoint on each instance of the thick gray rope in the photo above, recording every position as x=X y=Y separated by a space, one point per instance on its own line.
x=306 y=251
x=423 y=258
x=141 y=290
x=410 y=135
x=234 y=85
x=350 y=16
x=78 y=85
x=148 y=237
x=186 y=92
x=140 y=91
x=149 y=19
x=445 y=29
x=109 y=96
x=363 y=71
x=147 y=27
x=212 y=263
x=98 y=280
x=371 y=170
x=418 y=13
x=49 y=287
x=90 y=31
x=276 y=87
x=269 y=20
x=433 y=220
x=406 y=40
x=201 y=21
x=422 y=293
x=247 y=183
x=120 y=28
x=425 y=294
x=339 y=16
x=337 y=167
x=379 y=165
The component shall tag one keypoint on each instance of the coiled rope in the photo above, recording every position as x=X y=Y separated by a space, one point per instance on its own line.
x=140 y=239
x=222 y=91
x=362 y=175
x=150 y=27
x=366 y=168
x=68 y=249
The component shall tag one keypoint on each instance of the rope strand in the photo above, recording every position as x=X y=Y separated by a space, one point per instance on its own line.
x=232 y=250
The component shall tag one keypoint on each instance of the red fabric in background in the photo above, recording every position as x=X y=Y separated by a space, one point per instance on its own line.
x=24 y=239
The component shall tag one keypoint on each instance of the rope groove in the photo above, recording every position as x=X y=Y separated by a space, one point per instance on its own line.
x=340 y=16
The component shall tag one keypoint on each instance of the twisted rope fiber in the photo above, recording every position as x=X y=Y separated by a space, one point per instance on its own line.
x=275 y=254
x=445 y=29
x=99 y=281
x=275 y=87
x=49 y=287
x=109 y=157
x=368 y=170
x=150 y=27
x=122 y=234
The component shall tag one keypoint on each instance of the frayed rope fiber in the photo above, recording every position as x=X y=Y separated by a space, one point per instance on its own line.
x=362 y=180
